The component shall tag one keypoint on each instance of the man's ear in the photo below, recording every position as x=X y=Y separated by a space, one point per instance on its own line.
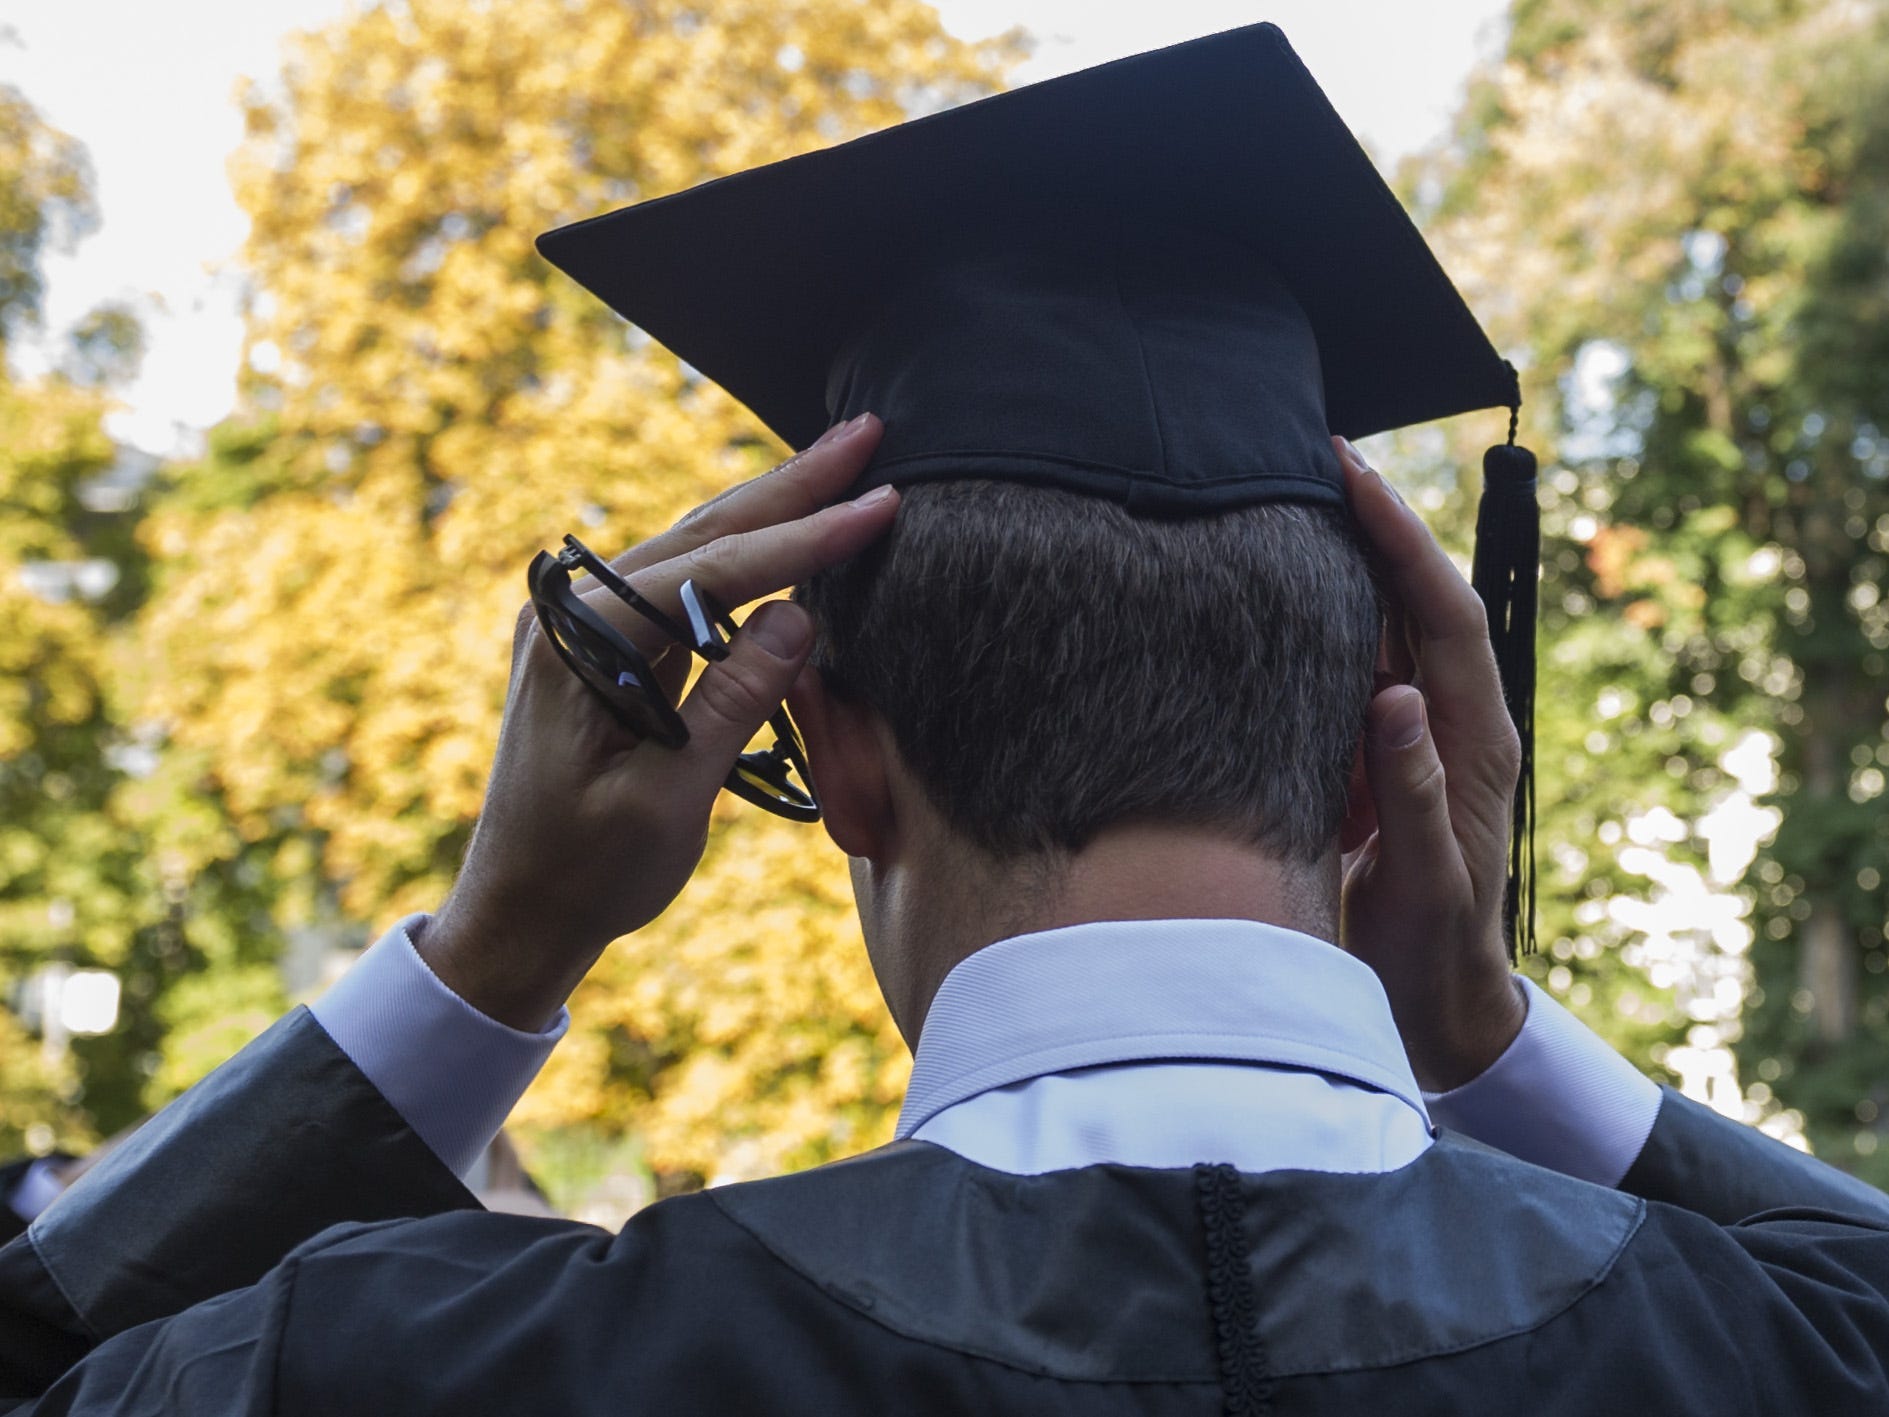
x=1360 y=811
x=846 y=757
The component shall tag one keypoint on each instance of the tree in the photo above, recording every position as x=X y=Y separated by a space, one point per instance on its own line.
x=67 y=882
x=427 y=404
x=45 y=201
x=1679 y=212
x=110 y=856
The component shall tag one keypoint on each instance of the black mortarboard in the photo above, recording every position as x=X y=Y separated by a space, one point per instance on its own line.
x=1163 y=281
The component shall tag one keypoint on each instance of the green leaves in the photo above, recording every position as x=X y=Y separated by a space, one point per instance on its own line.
x=1700 y=188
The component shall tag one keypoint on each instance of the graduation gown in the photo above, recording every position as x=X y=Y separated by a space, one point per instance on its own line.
x=246 y=1254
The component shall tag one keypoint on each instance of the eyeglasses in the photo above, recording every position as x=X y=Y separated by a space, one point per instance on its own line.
x=622 y=678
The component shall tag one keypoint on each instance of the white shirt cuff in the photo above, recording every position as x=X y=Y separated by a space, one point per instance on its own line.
x=452 y=1073
x=1558 y=1097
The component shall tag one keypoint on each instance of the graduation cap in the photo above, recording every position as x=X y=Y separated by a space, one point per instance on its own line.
x=1163 y=281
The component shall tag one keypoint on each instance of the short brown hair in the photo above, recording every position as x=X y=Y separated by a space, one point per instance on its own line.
x=1051 y=666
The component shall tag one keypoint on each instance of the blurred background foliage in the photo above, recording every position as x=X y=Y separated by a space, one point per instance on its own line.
x=248 y=702
x=1677 y=215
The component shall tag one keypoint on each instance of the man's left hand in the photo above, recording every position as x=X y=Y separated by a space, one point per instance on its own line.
x=588 y=833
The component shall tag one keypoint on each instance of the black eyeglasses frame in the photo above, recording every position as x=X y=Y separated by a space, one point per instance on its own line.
x=621 y=677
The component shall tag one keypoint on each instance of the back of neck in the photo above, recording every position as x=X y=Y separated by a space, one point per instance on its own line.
x=1129 y=873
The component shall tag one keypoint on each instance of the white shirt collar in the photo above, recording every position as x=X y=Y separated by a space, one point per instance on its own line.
x=1116 y=992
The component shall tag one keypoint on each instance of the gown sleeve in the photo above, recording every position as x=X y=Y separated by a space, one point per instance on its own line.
x=283 y=1141
x=1729 y=1172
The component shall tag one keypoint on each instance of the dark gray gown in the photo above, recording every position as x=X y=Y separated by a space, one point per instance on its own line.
x=278 y=1242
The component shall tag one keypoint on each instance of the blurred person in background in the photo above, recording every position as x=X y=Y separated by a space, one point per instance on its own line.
x=28 y=1186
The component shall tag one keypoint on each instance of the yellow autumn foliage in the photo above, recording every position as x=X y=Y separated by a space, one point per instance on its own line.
x=52 y=662
x=61 y=894
x=432 y=404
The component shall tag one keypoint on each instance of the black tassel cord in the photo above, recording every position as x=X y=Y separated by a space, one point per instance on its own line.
x=1506 y=574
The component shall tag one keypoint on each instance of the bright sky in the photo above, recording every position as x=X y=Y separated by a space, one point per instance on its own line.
x=147 y=85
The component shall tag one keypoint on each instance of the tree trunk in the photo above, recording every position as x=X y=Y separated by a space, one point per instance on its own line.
x=1833 y=717
x=1826 y=968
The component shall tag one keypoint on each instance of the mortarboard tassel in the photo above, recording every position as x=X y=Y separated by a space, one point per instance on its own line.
x=1506 y=574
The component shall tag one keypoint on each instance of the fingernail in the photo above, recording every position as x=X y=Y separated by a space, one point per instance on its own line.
x=1403 y=723
x=829 y=436
x=878 y=497
x=1357 y=461
x=781 y=629
x=850 y=427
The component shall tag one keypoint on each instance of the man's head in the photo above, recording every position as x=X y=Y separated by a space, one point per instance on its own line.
x=1049 y=669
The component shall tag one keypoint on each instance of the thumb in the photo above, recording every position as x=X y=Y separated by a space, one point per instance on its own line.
x=734 y=697
x=1407 y=787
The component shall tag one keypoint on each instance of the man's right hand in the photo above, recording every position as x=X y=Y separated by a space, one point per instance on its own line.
x=588 y=833
x=1424 y=887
